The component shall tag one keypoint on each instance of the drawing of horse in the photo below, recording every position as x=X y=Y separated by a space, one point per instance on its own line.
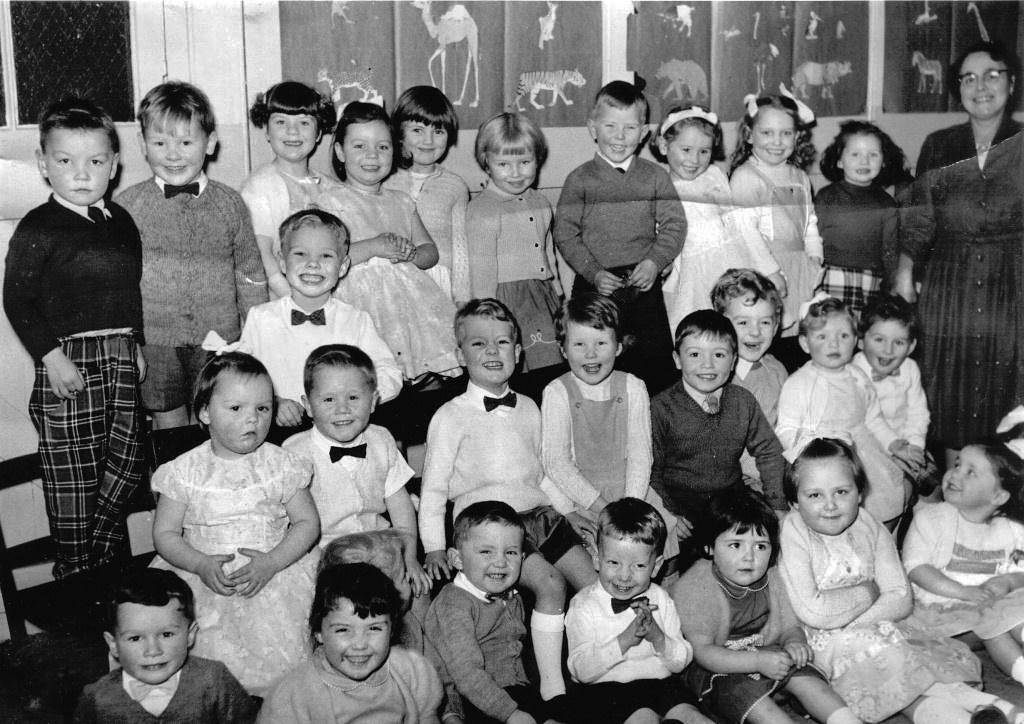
x=929 y=73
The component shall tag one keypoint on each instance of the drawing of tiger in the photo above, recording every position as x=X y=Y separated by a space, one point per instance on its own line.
x=534 y=81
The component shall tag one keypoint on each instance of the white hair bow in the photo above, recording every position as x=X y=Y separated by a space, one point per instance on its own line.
x=691 y=112
x=803 y=111
x=213 y=342
x=1013 y=418
x=805 y=308
x=750 y=101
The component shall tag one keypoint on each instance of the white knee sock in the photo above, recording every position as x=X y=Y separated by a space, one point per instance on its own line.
x=966 y=697
x=935 y=710
x=546 y=632
x=1017 y=670
x=843 y=716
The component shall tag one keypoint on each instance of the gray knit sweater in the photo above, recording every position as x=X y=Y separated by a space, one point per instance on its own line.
x=201 y=268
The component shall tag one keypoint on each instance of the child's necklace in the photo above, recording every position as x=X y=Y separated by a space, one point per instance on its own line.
x=729 y=587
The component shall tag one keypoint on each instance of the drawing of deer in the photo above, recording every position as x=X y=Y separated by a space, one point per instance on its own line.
x=451 y=28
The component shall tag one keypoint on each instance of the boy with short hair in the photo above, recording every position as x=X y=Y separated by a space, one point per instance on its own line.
x=625 y=639
x=71 y=293
x=359 y=474
x=151 y=627
x=283 y=333
x=701 y=425
x=476 y=623
x=596 y=420
x=485 y=444
x=201 y=266
x=888 y=330
x=619 y=223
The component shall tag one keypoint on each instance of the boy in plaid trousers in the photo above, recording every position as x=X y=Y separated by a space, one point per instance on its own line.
x=71 y=293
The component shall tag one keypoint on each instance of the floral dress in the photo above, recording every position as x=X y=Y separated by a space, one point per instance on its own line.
x=232 y=504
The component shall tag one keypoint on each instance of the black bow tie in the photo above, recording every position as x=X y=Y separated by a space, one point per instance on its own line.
x=619 y=605
x=96 y=214
x=319 y=318
x=170 y=190
x=356 y=451
x=503 y=596
x=492 y=403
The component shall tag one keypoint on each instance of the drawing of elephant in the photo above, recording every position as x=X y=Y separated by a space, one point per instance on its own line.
x=684 y=74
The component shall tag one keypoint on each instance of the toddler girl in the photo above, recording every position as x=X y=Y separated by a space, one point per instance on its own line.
x=355 y=674
x=747 y=643
x=233 y=518
x=857 y=218
x=848 y=589
x=511 y=256
x=689 y=140
x=425 y=126
x=829 y=397
x=294 y=116
x=390 y=249
x=774 y=194
x=961 y=554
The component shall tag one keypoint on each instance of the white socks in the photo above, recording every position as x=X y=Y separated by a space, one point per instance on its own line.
x=546 y=631
x=935 y=710
x=843 y=716
x=1017 y=670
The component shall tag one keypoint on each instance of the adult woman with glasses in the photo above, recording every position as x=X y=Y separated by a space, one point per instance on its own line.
x=963 y=229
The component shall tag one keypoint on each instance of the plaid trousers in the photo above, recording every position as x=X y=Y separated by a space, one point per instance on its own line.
x=91 y=451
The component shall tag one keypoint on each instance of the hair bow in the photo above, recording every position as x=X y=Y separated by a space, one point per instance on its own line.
x=805 y=308
x=1013 y=418
x=691 y=112
x=803 y=111
x=750 y=101
x=213 y=342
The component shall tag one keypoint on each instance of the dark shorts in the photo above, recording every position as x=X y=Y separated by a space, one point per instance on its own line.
x=527 y=697
x=732 y=696
x=170 y=376
x=548 y=533
x=613 y=702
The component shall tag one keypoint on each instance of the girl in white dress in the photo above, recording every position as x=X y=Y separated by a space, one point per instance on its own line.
x=689 y=141
x=294 y=117
x=235 y=520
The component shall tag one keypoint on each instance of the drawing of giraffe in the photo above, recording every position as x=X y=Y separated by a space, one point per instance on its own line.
x=547 y=24
x=977 y=14
x=451 y=28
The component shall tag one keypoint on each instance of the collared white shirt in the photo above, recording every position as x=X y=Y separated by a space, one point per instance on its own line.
x=701 y=397
x=157 y=699
x=624 y=165
x=201 y=179
x=477 y=395
x=82 y=210
x=460 y=581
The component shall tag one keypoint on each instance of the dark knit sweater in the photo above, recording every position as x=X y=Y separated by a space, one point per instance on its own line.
x=207 y=694
x=859 y=224
x=66 y=275
x=697 y=454
x=606 y=219
x=201 y=267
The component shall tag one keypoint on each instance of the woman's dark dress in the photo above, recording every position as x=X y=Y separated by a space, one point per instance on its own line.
x=964 y=226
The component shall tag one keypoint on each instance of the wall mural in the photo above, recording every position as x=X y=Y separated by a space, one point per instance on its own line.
x=542 y=58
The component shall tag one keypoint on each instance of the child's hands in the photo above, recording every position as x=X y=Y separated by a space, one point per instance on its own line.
x=211 y=572
x=141 y=364
x=652 y=631
x=640 y=627
x=520 y=717
x=872 y=588
x=998 y=586
x=606 y=282
x=289 y=413
x=418 y=578
x=436 y=565
x=65 y=379
x=774 y=664
x=780 y=283
x=643 y=275
x=254 y=575
x=684 y=528
x=977 y=594
x=815 y=258
x=800 y=653
x=910 y=457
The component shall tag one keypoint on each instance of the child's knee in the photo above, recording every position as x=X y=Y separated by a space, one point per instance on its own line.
x=549 y=587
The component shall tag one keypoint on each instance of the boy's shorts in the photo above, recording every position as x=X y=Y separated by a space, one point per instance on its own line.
x=171 y=375
x=732 y=696
x=526 y=697
x=612 y=702
x=548 y=533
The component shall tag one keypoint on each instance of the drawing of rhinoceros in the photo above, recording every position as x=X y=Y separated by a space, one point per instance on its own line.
x=826 y=75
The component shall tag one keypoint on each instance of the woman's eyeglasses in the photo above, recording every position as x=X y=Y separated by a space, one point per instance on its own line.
x=989 y=77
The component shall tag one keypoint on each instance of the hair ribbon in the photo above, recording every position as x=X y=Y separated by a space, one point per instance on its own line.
x=213 y=342
x=805 y=308
x=1013 y=418
x=803 y=111
x=691 y=112
x=750 y=101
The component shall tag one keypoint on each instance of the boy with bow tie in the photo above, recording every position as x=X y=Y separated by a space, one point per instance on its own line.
x=201 y=268
x=150 y=630
x=359 y=474
x=281 y=334
x=625 y=642
x=486 y=445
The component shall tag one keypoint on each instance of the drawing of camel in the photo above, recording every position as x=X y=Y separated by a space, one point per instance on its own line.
x=929 y=73
x=453 y=27
x=977 y=15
